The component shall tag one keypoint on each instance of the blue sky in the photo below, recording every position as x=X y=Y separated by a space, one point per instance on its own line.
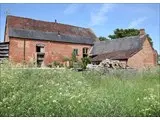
x=103 y=19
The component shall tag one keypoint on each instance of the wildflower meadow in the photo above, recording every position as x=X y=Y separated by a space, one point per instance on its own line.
x=67 y=93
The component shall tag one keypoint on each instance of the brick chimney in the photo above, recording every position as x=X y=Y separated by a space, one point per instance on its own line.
x=142 y=32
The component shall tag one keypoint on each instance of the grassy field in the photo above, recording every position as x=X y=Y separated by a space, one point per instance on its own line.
x=49 y=92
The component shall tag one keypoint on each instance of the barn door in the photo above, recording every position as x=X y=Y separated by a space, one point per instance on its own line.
x=40 y=54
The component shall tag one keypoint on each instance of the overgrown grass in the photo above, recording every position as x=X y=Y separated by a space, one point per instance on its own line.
x=49 y=92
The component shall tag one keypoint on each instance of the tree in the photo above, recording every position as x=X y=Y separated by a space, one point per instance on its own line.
x=120 y=33
x=103 y=38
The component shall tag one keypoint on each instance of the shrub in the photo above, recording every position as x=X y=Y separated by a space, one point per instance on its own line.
x=56 y=64
x=74 y=58
x=66 y=59
x=85 y=61
x=77 y=65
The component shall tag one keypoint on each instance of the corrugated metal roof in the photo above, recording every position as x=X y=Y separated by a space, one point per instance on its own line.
x=51 y=36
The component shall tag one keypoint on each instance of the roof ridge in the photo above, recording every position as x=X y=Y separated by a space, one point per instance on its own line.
x=126 y=37
x=46 y=21
x=118 y=39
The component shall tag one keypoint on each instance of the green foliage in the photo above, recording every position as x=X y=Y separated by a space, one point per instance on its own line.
x=81 y=64
x=72 y=60
x=49 y=92
x=103 y=38
x=120 y=33
x=85 y=61
x=66 y=59
x=74 y=57
x=77 y=65
x=55 y=64
x=32 y=64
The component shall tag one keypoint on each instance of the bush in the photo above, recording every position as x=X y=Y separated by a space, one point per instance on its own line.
x=56 y=64
x=77 y=65
x=66 y=59
x=85 y=61
x=74 y=57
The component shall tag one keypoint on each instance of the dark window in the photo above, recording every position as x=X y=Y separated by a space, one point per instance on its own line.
x=40 y=49
x=85 y=52
x=75 y=51
x=40 y=54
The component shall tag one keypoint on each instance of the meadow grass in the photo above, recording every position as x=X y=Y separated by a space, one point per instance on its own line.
x=50 y=92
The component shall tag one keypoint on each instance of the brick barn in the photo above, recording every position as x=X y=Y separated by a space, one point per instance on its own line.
x=44 y=42
x=28 y=40
x=135 y=51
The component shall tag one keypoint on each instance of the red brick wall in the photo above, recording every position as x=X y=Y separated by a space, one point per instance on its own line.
x=144 y=58
x=54 y=51
x=6 y=38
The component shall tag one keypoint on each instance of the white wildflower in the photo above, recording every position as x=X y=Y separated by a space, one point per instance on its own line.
x=4 y=99
x=57 y=84
x=44 y=102
x=14 y=96
x=145 y=98
x=137 y=99
x=79 y=95
x=72 y=97
x=147 y=109
x=79 y=82
x=54 y=101
x=109 y=105
x=145 y=89
x=52 y=82
x=40 y=86
x=151 y=89
x=158 y=85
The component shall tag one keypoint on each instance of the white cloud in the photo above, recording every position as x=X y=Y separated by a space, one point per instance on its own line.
x=99 y=16
x=137 y=22
x=71 y=8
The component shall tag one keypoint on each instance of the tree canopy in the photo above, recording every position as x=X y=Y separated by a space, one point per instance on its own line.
x=120 y=33
x=103 y=38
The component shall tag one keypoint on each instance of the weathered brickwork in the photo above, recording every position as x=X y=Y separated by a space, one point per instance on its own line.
x=144 y=58
x=54 y=51
x=24 y=50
